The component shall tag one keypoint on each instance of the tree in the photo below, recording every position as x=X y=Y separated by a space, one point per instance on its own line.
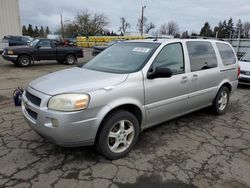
x=170 y=28
x=47 y=31
x=30 y=30
x=206 y=30
x=239 y=29
x=173 y=28
x=246 y=27
x=164 y=29
x=36 y=32
x=88 y=24
x=185 y=35
x=24 y=30
x=146 y=26
x=41 y=32
x=229 y=28
x=124 y=25
x=149 y=27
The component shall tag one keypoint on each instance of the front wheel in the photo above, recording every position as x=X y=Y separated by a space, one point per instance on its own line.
x=221 y=101
x=70 y=60
x=119 y=134
x=24 y=61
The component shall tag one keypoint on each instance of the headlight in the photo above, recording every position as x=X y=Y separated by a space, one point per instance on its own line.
x=69 y=102
x=10 y=52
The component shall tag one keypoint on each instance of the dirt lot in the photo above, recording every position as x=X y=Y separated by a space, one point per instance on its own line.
x=198 y=150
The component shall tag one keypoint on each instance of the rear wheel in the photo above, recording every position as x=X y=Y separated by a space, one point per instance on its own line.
x=221 y=101
x=119 y=134
x=70 y=60
x=24 y=61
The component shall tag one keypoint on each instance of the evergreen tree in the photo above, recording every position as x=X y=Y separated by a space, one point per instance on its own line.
x=47 y=31
x=24 y=30
x=41 y=32
x=221 y=30
x=206 y=30
x=229 y=28
x=36 y=32
x=239 y=29
x=30 y=30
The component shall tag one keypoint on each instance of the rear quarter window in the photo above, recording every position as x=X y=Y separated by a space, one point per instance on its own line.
x=202 y=55
x=226 y=53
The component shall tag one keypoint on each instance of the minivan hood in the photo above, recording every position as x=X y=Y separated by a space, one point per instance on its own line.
x=244 y=65
x=75 y=80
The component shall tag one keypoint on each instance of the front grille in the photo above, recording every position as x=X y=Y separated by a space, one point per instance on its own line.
x=33 y=99
x=31 y=113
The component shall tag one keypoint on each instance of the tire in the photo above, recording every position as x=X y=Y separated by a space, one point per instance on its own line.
x=118 y=128
x=70 y=59
x=23 y=61
x=221 y=101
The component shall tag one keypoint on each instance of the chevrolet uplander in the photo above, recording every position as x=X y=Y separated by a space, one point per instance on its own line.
x=129 y=87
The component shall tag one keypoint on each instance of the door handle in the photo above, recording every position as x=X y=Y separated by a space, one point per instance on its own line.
x=184 y=79
x=195 y=77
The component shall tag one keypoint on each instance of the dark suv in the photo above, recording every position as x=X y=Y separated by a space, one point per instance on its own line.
x=17 y=40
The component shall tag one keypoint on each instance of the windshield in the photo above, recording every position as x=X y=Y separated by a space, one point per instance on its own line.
x=33 y=42
x=246 y=58
x=123 y=57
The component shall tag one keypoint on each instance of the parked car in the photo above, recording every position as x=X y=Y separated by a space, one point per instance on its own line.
x=42 y=49
x=245 y=69
x=99 y=49
x=17 y=40
x=127 y=88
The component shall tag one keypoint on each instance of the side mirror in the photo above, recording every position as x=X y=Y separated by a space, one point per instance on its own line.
x=159 y=72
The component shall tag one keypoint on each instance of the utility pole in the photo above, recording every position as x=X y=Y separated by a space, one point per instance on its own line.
x=62 y=27
x=142 y=19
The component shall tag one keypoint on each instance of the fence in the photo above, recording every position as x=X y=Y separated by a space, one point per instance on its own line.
x=101 y=40
x=241 y=46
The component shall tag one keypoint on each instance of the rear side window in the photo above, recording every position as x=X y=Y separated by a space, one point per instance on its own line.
x=226 y=53
x=45 y=44
x=202 y=55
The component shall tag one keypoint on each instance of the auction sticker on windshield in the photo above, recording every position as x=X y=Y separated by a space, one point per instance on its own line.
x=143 y=50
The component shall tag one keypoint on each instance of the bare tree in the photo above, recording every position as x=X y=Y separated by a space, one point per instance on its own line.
x=246 y=27
x=170 y=28
x=164 y=29
x=139 y=24
x=149 y=27
x=124 y=25
x=88 y=24
x=146 y=26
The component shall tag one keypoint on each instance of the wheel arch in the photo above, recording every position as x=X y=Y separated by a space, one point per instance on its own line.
x=132 y=108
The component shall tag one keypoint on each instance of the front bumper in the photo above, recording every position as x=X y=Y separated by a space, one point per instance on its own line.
x=62 y=128
x=244 y=79
x=10 y=57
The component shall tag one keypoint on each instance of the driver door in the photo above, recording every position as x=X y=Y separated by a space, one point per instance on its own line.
x=45 y=51
x=166 y=98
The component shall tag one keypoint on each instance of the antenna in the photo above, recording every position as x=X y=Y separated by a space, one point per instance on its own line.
x=155 y=38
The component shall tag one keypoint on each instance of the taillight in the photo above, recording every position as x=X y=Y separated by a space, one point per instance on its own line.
x=238 y=71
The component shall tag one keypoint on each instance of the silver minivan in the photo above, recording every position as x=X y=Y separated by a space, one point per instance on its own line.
x=127 y=88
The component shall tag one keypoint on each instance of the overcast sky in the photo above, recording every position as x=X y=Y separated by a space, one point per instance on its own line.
x=189 y=14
